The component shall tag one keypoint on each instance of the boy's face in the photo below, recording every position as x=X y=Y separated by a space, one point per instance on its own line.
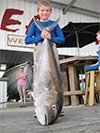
x=98 y=36
x=44 y=12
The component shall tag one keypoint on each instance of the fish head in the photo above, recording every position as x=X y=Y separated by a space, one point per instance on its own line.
x=48 y=110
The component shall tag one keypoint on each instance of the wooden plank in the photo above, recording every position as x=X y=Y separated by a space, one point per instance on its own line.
x=4 y=79
x=78 y=92
x=77 y=58
x=77 y=61
x=65 y=88
x=73 y=84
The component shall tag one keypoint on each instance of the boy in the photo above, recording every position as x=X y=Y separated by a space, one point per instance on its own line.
x=98 y=51
x=34 y=35
x=96 y=65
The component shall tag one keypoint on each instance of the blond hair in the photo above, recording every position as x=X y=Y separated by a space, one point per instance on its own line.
x=45 y=3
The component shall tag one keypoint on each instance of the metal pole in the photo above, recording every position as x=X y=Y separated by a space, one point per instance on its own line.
x=77 y=39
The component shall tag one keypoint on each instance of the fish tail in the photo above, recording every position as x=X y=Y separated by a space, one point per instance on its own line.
x=49 y=28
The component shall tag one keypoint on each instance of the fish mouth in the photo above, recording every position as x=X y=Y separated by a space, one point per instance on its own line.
x=44 y=119
x=44 y=116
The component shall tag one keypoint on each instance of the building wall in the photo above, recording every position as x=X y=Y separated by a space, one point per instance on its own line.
x=28 y=10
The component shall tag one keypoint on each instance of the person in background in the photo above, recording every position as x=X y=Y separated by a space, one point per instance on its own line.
x=21 y=85
x=34 y=35
x=97 y=64
x=98 y=51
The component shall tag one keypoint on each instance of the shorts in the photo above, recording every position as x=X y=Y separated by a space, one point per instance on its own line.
x=21 y=87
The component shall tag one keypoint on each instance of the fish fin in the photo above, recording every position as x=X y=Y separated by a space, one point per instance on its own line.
x=38 y=24
x=49 y=28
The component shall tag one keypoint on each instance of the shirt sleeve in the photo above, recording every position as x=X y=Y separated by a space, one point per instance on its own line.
x=30 y=38
x=59 y=37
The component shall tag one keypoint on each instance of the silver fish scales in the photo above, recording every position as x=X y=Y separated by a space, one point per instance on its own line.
x=47 y=91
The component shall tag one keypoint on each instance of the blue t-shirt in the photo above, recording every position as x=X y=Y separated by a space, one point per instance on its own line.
x=34 y=34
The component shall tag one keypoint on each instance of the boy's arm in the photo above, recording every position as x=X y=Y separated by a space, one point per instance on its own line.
x=30 y=38
x=59 y=38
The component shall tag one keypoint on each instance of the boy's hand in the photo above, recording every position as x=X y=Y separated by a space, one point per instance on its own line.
x=45 y=34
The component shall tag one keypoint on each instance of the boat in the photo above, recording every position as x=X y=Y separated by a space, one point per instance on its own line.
x=12 y=92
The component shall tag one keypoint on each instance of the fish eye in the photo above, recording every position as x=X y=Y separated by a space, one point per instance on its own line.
x=54 y=107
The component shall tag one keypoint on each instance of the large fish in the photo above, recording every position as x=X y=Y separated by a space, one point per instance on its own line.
x=47 y=91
